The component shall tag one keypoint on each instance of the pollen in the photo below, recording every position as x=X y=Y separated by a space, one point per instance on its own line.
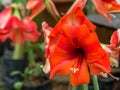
x=74 y=70
x=108 y=6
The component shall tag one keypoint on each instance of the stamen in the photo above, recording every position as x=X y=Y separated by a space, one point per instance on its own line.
x=117 y=78
x=74 y=70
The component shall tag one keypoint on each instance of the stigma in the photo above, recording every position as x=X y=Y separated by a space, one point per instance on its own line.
x=74 y=70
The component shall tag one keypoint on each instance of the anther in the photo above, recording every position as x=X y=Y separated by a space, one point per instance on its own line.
x=74 y=70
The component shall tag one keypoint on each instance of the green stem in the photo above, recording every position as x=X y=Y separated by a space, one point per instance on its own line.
x=51 y=10
x=95 y=82
x=18 y=48
x=30 y=54
x=84 y=87
x=89 y=6
x=17 y=51
x=74 y=88
x=16 y=10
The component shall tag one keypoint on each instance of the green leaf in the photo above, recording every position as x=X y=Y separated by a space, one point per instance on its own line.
x=18 y=85
x=37 y=69
x=27 y=71
x=15 y=73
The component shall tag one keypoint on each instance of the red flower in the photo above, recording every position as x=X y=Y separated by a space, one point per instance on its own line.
x=106 y=6
x=114 y=48
x=74 y=47
x=17 y=30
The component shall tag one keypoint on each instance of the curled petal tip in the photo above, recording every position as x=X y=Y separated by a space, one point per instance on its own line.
x=46 y=67
x=76 y=4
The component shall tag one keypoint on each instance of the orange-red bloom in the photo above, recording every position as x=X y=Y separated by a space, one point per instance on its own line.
x=106 y=6
x=74 y=47
x=17 y=30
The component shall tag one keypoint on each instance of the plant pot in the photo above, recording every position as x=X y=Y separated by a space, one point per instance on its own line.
x=10 y=65
x=106 y=83
x=116 y=85
x=1 y=49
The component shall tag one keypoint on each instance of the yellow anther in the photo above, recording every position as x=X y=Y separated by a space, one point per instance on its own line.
x=74 y=70
x=108 y=6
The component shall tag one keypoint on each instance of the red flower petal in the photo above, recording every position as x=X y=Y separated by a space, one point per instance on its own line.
x=5 y=16
x=62 y=68
x=101 y=9
x=78 y=3
x=114 y=41
x=46 y=29
x=82 y=76
x=36 y=6
x=111 y=5
x=95 y=54
x=106 y=6
x=30 y=31
x=77 y=18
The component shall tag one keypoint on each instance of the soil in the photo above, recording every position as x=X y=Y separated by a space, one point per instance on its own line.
x=60 y=83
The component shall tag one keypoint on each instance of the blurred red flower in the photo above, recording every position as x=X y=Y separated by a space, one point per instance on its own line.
x=17 y=30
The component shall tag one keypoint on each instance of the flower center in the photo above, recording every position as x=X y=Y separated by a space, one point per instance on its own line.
x=79 y=51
